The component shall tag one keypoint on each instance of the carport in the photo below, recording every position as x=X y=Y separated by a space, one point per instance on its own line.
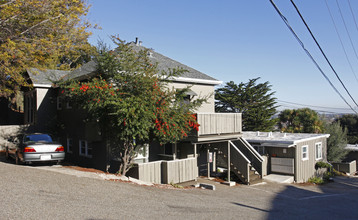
x=292 y=154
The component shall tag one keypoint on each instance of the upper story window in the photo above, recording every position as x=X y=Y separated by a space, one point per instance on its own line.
x=59 y=103
x=85 y=149
x=318 y=147
x=305 y=152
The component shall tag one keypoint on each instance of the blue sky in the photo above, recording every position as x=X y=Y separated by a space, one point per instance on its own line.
x=236 y=40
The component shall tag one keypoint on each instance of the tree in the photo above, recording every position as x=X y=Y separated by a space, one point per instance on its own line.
x=350 y=122
x=302 y=120
x=336 y=142
x=43 y=34
x=132 y=103
x=254 y=100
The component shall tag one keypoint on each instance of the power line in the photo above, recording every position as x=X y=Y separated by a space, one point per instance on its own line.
x=354 y=18
x=308 y=54
x=317 y=110
x=345 y=26
x=319 y=46
x=314 y=106
x=340 y=40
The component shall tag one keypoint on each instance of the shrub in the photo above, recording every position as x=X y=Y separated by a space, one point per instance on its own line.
x=323 y=165
x=316 y=180
x=327 y=176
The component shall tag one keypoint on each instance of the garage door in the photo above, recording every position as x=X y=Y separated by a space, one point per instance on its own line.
x=282 y=165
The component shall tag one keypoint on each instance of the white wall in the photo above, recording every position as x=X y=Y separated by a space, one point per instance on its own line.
x=202 y=91
x=41 y=93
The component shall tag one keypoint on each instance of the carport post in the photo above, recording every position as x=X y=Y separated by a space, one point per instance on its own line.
x=207 y=156
x=228 y=161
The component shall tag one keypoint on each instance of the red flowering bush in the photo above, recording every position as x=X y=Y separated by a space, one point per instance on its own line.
x=131 y=100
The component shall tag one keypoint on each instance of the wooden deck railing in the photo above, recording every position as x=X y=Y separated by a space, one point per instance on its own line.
x=219 y=123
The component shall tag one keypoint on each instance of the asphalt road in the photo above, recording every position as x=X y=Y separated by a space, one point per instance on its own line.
x=38 y=192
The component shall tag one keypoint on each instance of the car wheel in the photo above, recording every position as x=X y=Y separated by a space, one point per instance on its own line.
x=7 y=154
x=17 y=159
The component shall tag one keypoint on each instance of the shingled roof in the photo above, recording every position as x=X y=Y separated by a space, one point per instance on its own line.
x=165 y=63
x=46 y=77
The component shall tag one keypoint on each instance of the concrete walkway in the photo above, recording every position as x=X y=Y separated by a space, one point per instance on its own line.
x=279 y=178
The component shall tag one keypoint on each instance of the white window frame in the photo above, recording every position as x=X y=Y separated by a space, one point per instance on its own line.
x=85 y=147
x=304 y=157
x=69 y=145
x=318 y=150
x=68 y=105
x=59 y=103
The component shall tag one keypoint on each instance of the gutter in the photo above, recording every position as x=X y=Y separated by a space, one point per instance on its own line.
x=192 y=80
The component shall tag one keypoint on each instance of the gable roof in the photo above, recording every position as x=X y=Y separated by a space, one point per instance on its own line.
x=82 y=72
x=280 y=139
x=165 y=63
x=45 y=78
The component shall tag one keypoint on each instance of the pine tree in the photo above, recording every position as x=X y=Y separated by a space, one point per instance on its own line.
x=336 y=142
x=350 y=122
x=254 y=100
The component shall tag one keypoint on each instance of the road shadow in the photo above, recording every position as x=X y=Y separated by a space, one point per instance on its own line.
x=335 y=200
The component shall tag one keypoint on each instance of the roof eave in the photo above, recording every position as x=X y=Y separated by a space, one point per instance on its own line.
x=200 y=81
x=37 y=85
x=312 y=138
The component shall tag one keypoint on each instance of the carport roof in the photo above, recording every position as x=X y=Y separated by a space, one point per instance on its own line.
x=279 y=139
x=352 y=147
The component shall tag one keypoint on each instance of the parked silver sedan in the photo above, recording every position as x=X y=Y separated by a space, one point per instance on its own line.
x=35 y=148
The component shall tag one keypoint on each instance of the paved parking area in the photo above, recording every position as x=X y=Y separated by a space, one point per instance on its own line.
x=41 y=192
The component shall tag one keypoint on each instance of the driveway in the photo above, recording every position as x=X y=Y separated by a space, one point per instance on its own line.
x=42 y=192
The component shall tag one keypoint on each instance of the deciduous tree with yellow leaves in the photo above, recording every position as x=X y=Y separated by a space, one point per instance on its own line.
x=43 y=34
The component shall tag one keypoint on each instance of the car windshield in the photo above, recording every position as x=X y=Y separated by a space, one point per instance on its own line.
x=38 y=138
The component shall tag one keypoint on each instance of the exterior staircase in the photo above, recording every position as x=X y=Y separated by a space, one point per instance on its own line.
x=245 y=162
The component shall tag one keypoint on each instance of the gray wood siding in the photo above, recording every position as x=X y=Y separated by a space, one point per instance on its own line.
x=219 y=123
x=305 y=169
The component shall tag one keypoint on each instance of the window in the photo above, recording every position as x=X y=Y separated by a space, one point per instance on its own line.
x=318 y=147
x=30 y=107
x=260 y=149
x=59 y=103
x=187 y=99
x=69 y=145
x=168 y=149
x=305 y=152
x=68 y=105
x=85 y=149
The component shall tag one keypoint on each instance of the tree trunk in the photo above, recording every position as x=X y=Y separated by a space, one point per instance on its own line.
x=127 y=156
